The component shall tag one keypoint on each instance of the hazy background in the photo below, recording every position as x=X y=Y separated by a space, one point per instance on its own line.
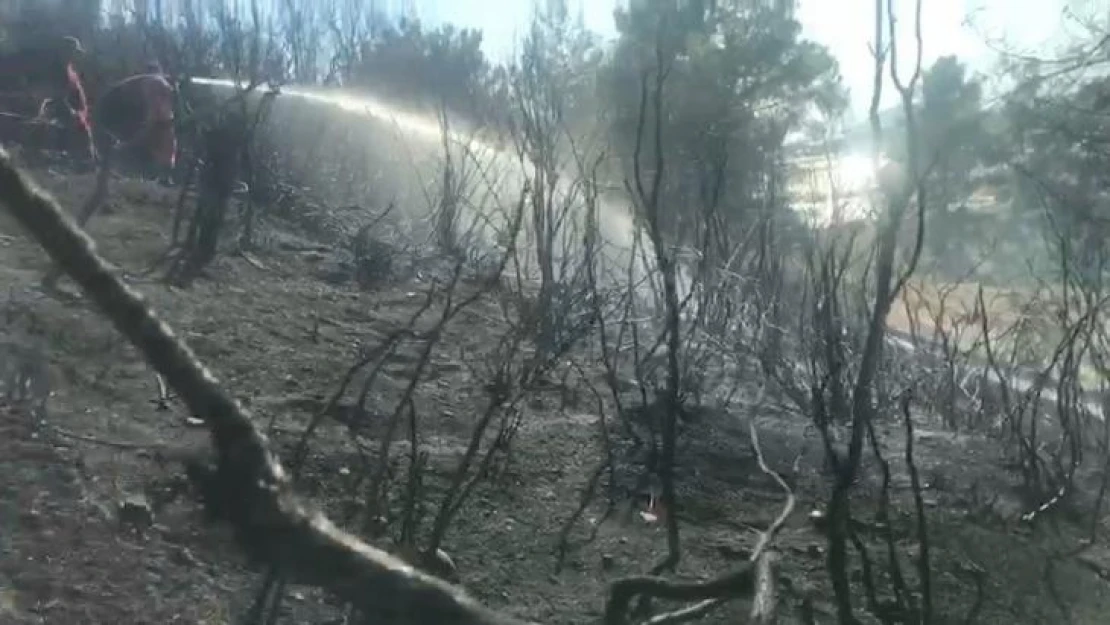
x=974 y=30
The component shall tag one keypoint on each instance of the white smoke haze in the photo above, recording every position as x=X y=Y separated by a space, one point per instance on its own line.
x=405 y=157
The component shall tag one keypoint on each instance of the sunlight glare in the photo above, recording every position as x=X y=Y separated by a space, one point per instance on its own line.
x=854 y=172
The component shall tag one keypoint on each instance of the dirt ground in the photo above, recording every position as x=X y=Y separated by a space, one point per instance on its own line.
x=281 y=338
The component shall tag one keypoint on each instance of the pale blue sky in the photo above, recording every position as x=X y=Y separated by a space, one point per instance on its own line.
x=962 y=27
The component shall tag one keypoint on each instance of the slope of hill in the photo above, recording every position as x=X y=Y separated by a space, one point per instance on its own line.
x=281 y=338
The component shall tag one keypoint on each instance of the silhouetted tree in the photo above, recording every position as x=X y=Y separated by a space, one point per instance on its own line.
x=746 y=77
x=953 y=133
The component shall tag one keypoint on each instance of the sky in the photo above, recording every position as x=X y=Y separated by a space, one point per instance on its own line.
x=970 y=29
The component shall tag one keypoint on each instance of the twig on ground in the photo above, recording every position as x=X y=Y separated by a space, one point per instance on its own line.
x=164 y=396
x=85 y=438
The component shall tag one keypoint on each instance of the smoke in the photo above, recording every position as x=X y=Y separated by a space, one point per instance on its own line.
x=498 y=173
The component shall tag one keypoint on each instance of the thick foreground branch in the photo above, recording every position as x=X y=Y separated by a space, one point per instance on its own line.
x=251 y=490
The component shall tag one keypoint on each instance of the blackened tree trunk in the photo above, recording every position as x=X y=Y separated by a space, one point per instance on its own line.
x=223 y=145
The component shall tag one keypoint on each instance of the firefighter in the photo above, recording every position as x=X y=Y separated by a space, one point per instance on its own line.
x=76 y=99
x=68 y=103
x=136 y=113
